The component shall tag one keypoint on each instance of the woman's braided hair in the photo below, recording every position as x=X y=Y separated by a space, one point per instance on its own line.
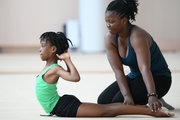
x=124 y=8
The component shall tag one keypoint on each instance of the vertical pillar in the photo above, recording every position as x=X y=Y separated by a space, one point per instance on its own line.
x=92 y=25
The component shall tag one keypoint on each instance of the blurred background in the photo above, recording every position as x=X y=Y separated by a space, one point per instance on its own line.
x=23 y=21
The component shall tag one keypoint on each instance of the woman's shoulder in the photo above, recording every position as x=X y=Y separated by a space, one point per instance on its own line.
x=109 y=38
x=140 y=36
x=138 y=33
x=137 y=30
x=108 y=35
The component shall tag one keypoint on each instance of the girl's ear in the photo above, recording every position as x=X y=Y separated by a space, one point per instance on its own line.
x=54 y=49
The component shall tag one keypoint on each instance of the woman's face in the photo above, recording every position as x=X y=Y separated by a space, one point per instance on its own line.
x=113 y=22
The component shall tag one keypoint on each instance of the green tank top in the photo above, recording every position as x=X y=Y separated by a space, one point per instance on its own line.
x=46 y=93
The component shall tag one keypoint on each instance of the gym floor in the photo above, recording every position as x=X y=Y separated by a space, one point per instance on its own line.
x=17 y=84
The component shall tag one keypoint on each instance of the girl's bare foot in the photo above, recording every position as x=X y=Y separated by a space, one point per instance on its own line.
x=163 y=112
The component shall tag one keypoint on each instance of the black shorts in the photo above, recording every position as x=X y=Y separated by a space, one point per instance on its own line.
x=67 y=106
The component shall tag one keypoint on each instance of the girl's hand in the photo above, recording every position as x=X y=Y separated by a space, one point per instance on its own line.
x=63 y=56
x=154 y=104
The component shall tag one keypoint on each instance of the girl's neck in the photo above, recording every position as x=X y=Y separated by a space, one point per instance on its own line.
x=51 y=61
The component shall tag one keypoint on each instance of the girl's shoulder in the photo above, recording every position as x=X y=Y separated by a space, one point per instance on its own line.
x=55 y=69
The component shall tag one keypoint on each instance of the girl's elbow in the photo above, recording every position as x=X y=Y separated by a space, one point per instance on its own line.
x=76 y=79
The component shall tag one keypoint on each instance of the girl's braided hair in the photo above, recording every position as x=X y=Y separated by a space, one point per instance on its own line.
x=57 y=39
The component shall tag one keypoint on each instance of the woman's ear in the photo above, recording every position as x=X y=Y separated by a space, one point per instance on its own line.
x=124 y=20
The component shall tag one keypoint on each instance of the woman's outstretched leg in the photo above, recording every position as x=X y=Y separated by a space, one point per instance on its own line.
x=114 y=109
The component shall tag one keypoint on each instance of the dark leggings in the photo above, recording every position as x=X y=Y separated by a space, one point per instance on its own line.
x=138 y=90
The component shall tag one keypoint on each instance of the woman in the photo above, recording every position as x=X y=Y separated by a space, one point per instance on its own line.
x=126 y=44
x=54 y=47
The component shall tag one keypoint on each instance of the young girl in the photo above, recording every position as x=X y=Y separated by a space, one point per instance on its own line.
x=54 y=47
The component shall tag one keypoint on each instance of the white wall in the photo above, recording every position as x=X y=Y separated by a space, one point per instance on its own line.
x=161 y=18
x=23 y=21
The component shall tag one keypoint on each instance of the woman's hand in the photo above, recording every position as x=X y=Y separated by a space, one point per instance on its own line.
x=154 y=104
x=128 y=100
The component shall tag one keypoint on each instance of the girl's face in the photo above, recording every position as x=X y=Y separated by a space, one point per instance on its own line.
x=46 y=50
x=113 y=22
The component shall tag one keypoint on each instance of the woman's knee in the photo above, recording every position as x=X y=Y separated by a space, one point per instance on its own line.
x=101 y=100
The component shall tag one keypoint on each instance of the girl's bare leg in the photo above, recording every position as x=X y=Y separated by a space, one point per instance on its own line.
x=114 y=109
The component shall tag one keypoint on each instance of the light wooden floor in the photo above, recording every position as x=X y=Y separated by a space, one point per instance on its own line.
x=17 y=82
